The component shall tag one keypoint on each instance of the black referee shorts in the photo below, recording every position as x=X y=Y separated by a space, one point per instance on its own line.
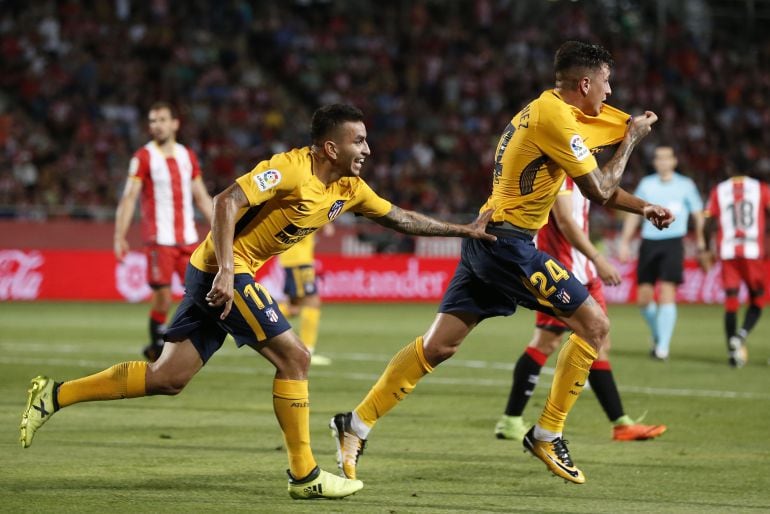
x=660 y=259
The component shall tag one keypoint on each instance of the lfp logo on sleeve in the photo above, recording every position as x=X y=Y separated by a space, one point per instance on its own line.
x=267 y=179
x=579 y=148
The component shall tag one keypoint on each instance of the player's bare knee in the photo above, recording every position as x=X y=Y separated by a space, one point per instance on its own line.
x=604 y=351
x=292 y=360
x=168 y=385
x=163 y=379
x=300 y=358
x=546 y=341
x=436 y=353
x=162 y=300
x=445 y=353
x=547 y=347
x=598 y=329
x=604 y=329
x=174 y=387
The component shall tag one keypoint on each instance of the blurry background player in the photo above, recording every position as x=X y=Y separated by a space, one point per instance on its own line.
x=565 y=237
x=737 y=208
x=301 y=290
x=168 y=177
x=661 y=254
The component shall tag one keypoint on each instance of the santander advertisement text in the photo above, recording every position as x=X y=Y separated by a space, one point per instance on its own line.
x=96 y=275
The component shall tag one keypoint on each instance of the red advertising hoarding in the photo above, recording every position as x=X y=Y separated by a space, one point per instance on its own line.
x=96 y=275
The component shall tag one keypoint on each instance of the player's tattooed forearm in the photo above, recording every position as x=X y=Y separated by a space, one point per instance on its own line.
x=410 y=222
x=613 y=170
x=238 y=196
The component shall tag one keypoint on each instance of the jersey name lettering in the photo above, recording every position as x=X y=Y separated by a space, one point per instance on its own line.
x=293 y=234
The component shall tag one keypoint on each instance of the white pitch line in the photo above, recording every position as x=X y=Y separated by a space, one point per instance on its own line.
x=260 y=369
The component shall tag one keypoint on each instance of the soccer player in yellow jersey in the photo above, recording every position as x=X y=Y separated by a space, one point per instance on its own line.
x=280 y=202
x=552 y=136
x=301 y=290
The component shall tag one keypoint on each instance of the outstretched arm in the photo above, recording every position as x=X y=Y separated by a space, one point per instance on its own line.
x=656 y=214
x=416 y=224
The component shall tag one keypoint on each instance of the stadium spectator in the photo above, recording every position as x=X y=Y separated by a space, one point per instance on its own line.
x=263 y=213
x=167 y=176
x=737 y=209
x=661 y=254
x=421 y=68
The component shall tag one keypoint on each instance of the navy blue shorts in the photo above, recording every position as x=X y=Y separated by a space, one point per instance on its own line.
x=254 y=317
x=492 y=279
x=300 y=281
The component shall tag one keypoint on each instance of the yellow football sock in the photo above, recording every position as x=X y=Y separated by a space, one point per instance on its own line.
x=292 y=408
x=572 y=366
x=309 y=318
x=400 y=377
x=124 y=380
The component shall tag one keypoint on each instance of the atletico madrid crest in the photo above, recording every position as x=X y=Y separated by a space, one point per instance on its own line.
x=563 y=296
x=271 y=315
x=335 y=209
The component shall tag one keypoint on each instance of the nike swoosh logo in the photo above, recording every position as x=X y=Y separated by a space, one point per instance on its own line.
x=578 y=384
x=561 y=466
x=404 y=390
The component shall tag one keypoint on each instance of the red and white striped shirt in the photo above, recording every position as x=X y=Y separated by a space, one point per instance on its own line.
x=739 y=205
x=167 y=202
x=551 y=240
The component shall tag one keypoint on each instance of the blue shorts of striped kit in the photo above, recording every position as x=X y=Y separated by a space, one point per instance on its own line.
x=254 y=317
x=300 y=281
x=493 y=278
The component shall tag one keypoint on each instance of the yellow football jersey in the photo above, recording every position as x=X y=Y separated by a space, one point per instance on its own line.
x=301 y=254
x=287 y=203
x=545 y=140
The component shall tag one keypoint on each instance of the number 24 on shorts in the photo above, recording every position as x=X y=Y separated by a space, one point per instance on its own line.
x=540 y=281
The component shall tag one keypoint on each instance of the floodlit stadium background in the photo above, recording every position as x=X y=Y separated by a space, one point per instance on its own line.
x=438 y=80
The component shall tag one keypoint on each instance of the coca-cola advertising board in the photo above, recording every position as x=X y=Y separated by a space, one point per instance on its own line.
x=96 y=275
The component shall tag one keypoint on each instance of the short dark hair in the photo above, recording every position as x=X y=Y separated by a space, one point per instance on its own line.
x=576 y=55
x=156 y=106
x=329 y=117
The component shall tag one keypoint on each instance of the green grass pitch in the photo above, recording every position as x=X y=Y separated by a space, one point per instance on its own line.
x=217 y=447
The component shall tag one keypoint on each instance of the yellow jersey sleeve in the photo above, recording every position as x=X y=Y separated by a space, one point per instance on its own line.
x=547 y=139
x=559 y=137
x=606 y=129
x=366 y=202
x=271 y=178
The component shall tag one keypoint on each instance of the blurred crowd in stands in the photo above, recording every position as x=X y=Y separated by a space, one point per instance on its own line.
x=438 y=81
